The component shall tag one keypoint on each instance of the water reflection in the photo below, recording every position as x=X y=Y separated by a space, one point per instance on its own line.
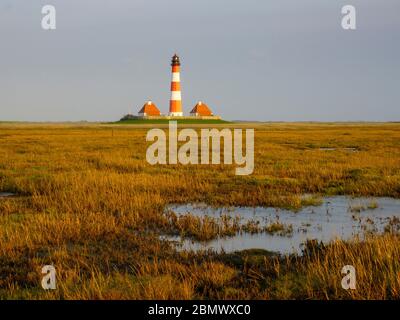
x=337 y=217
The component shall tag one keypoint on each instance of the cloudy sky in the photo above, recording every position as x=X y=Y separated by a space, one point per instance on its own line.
x=252 y=60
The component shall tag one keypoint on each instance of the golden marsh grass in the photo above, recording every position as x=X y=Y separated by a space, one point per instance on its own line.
x=87 y=201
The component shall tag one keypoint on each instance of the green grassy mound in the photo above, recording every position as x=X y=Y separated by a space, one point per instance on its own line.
x=166 y=121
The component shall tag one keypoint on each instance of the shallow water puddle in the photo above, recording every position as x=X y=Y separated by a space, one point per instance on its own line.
x=6 y=194
x=351 y=149
x=337 y=217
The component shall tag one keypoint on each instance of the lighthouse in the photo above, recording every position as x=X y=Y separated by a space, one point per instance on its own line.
x=201 y=111
x=175 y=103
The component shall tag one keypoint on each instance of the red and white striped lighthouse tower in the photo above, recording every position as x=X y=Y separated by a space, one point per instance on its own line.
x=175 y=104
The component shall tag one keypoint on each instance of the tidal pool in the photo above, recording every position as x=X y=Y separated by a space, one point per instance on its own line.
x=6 y=194
x=337 y=217
x=351 y=149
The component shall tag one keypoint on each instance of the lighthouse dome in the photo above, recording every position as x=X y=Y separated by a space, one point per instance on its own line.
x=175 y=60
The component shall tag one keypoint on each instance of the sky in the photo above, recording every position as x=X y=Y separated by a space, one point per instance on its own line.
x=276 y=60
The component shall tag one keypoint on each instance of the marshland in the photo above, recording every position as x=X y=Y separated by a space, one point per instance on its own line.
x=83 y=198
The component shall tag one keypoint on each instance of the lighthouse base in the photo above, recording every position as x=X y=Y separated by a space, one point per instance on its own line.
x=176 y=114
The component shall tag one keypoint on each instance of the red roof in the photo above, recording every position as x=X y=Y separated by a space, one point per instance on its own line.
x=201 y=109
x=150 y=109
